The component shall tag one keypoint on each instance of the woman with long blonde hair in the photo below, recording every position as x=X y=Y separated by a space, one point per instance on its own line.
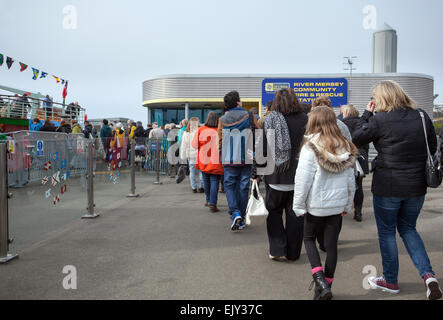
x=324 y=191
x=399 y=184
x=189 y=154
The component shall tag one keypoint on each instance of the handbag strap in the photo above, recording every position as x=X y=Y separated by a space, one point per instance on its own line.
x=426 y=135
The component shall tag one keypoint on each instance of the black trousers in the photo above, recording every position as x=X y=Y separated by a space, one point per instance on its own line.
x=330 y=227
x=359 y=195
x=283 y=240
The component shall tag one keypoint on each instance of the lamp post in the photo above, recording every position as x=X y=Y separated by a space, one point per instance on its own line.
x=349 y=66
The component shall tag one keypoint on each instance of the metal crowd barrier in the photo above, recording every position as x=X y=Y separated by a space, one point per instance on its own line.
x=5 y=256
x=33 y=153
x=156 y=158
x=28 y=156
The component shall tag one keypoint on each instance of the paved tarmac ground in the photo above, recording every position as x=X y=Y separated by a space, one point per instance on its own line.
x=167 y=245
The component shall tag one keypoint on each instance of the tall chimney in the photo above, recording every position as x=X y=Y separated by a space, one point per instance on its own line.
x=384 y=50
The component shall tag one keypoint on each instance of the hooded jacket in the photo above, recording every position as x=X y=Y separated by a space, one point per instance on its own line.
x=233 y=139
x=324 y=183
x=77 y=128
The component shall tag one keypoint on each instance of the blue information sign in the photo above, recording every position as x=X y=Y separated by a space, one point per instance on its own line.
x=307 y=89
x=39 y=147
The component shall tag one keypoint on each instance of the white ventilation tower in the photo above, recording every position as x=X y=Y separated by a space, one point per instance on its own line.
x=384 y=50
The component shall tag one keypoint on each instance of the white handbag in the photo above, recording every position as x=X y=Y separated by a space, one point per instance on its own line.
x=256 y=207
x=358 y=170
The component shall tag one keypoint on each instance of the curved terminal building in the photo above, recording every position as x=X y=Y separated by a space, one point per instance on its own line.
x=171 y=98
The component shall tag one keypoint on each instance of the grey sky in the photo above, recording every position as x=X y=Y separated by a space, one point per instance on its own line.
x=118 y=44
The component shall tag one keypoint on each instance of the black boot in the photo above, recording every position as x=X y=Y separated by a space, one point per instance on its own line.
x=357 y=214
x=322 y=288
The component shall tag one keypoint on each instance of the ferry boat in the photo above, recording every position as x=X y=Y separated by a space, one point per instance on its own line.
x=19 y=108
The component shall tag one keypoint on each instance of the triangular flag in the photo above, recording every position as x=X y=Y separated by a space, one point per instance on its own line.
x=9 y=62
x=36 y=72
x=23 y=66
x=43 y=75
x=63 y=81
x=57 y=79
x=1 y=59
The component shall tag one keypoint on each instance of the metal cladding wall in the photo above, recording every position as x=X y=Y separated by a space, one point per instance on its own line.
x=195 y=86
x=419 y=87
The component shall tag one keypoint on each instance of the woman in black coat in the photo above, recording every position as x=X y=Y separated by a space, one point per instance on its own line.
x=351 y=119
x=399 y=184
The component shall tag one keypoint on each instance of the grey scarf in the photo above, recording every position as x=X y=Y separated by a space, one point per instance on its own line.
x=276 y=121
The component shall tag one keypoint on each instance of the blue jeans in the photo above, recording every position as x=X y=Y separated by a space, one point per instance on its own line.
x=400 y=214
x=237 y=188
x=193 y=178
x=211 y=182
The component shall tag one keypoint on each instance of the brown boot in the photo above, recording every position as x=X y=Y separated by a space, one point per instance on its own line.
x=206 y=204
x=214 y=209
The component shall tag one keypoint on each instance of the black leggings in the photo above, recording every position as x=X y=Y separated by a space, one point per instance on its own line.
x=359 y=195
x=331 y=228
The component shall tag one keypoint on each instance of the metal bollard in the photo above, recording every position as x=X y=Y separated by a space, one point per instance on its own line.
x=157 y=161
x=4 y=214
x=132 y=194
x=90 y=189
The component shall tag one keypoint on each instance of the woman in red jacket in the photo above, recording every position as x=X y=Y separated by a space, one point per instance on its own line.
x=208 y=159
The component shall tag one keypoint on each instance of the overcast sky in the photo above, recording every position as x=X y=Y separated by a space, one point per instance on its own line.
x=118 y=44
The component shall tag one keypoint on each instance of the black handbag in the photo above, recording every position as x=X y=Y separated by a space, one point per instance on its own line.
x=433 y=173
x=181 y=175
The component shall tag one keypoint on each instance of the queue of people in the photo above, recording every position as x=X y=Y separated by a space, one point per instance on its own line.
x=319 y=164
x=65 y=126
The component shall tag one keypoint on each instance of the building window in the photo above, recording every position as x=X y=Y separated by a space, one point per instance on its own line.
x=175 y=115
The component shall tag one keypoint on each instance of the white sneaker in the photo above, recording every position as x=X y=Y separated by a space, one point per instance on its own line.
x=433 y=290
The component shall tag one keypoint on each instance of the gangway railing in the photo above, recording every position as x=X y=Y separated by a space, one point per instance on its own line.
x=24 y=107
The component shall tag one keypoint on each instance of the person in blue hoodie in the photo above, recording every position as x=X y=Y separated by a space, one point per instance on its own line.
x=36 y=124
x=234 y=136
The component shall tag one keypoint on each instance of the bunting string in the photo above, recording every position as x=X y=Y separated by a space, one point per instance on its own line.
x=35 y=72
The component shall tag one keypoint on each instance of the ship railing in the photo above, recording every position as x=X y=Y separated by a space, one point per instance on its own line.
x=31 y=108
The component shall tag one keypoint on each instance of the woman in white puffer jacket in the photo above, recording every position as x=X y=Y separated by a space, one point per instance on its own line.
x=324 y=191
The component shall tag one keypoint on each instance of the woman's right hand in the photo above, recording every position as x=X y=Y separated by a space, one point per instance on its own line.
x=371 y=106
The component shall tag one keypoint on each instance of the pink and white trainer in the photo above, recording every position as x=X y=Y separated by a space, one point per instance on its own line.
x=380 y=283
